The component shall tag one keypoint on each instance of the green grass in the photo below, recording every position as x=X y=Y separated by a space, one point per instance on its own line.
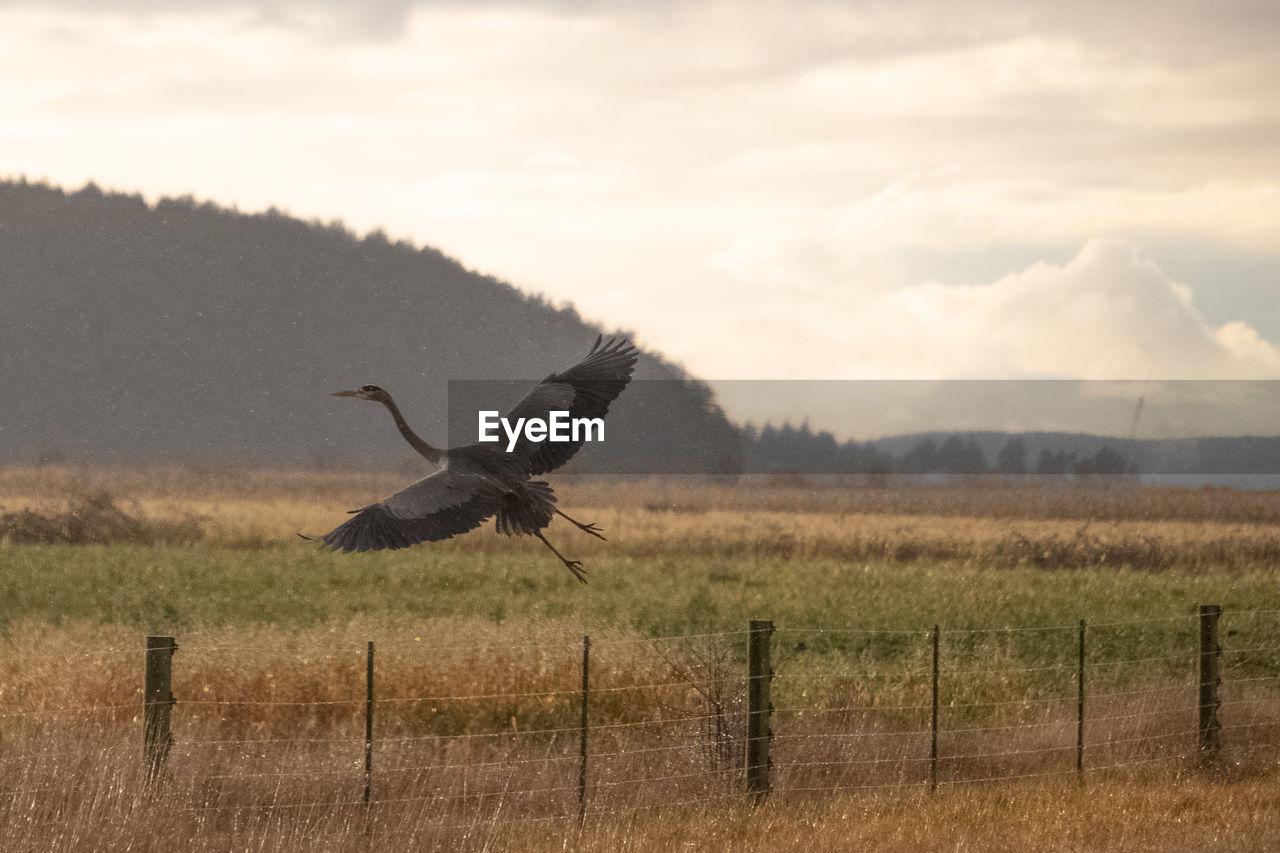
x=295 y=586
x=298 y=586
x=481 y=635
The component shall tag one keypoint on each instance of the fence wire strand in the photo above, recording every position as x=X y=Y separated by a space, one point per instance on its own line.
x=980 y=740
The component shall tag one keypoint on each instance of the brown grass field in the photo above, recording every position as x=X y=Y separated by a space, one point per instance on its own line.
x=479 y=651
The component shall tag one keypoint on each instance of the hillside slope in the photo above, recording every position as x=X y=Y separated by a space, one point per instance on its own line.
x=186 y=332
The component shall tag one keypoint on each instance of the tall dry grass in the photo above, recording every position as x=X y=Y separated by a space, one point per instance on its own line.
x=1111 y=813
x=994 y=524
x=1096 y=499
x=476 y=719
x=476 y=739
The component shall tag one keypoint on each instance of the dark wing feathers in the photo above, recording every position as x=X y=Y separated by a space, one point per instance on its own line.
x=436 y=507
x=476 y=484
x=584 y=391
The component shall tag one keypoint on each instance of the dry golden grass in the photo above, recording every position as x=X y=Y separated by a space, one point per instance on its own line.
x=968 y=497
x=991 y=523
x=476 y=747
x=475 y=725
x=106 y=811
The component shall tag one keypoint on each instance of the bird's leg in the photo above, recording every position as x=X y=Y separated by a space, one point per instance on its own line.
x=585 y=528
x=572 y=565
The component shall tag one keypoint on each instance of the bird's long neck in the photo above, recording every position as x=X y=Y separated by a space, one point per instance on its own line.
x=433 y=455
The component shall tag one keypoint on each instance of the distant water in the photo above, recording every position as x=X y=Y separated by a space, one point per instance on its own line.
x=1196 y=481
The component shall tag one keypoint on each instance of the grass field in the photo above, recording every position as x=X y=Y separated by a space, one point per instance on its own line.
x=852 y=578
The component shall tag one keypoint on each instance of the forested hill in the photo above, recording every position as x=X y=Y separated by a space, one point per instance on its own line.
x=185 y=331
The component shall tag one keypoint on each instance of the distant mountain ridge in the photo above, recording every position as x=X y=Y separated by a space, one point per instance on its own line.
x=1251 y=461
x=182 y=331
x=1235 y=455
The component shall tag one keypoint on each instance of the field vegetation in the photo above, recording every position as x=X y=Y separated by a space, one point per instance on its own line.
x=479 y=651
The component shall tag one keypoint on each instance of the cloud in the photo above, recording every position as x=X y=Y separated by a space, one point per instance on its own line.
x=376 y=20
x=1179 y=29
x=951 y=207
x=758 y=188
x=1108 y=313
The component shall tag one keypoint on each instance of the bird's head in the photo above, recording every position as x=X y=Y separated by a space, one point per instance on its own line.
x=366 y=392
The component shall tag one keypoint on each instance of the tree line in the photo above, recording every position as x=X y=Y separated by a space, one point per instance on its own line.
x=792 y=449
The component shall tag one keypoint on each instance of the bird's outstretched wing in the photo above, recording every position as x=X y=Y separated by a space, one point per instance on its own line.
x=436 y=507
x=584 y=391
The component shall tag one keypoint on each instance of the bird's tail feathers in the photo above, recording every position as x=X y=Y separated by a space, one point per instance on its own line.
x=527 y=509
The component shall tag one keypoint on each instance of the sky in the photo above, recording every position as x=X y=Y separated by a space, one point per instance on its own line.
x=868 y=189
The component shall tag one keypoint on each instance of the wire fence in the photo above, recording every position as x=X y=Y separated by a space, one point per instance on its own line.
x=459 y=735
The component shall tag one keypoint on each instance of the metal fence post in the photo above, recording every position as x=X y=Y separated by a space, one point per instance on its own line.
x=1080 y=707
x=582 y=765
x=1210 y=728
x=759 y=675
x=933 y=720
x=368 y=725
x=157 y=692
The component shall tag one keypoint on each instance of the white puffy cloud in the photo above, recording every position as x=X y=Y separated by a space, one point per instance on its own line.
x=749 y=185
x=863 y=243
x=1109 y=313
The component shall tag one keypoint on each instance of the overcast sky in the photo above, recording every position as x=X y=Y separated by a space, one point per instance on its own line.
x=819 y=190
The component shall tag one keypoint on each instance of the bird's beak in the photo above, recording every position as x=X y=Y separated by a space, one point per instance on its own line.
x=345 y=394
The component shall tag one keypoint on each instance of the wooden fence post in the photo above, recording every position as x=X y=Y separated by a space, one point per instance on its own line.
x=157 y=693
x=1080 y=707
x=1210 y=728
x=368 y=725
x=759 y=674
x=582 y=765
x=933 y=720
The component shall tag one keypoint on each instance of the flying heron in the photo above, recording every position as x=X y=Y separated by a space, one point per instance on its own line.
x=479 y=480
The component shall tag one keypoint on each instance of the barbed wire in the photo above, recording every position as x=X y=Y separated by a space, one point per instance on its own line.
x=852 y=735
x=178 y=744
x=925 y=706
x=568 y=644
x=701 y=774
x=860 y=632
x=1176 y=618
x=1254 y=680
x=1008 y=777
x=1156 y=759
x=548 y=759
x=927 y=632
x=575 y=642
x=1261 y=724
x=87 y=709
x=1249 y=650
x=941 y=758
x=189 y=647
x=673 y=769
x=79 y=753
x=442 y=698
x=1159 y=712
x=349 y=772
x=609 y=786
x=685 y=684
x=1189 y=656
x=1097 y=745
x=813 y=709
x=921 y=672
